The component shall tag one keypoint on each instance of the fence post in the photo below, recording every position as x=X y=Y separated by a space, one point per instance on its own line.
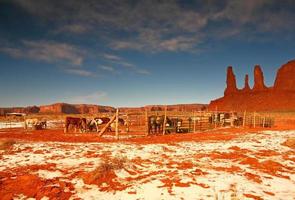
x=146 y=122
x=215 y=118
x=127 y=123
x=254 y=120
x=244 y=119
x=231 y=119
x=117 y=123
x=194 y=117
x=263 y=122
x=165 y=119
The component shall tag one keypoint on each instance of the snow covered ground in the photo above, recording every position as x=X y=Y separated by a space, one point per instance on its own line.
x=253 y=166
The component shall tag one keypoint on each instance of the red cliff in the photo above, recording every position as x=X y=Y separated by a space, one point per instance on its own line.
x=280 y=97
x=285 y=80
x=231 y=85
x=246 y=85
x=74 y=108
x=258 y=79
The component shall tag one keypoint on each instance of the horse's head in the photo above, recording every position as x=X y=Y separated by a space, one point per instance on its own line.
x=121 y=121
x=159 y=119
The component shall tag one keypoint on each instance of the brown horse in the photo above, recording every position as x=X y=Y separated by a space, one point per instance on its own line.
x=155 y=124
x=78 y=123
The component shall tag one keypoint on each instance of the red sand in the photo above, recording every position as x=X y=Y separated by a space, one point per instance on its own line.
x=20 y=181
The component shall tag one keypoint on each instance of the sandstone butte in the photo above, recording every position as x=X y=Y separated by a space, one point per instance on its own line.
x=64 y=108
x=279 y=97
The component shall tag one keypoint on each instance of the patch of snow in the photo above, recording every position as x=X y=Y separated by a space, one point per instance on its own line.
x=49 y=174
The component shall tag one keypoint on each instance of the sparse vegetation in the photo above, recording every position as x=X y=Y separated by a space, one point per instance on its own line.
x=290 y=142
x=109 y=165
x=6 y=144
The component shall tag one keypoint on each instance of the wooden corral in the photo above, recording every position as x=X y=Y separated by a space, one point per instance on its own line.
x=136 y=123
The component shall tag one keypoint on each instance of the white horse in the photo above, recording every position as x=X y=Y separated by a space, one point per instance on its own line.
x=95 y=122
x=35 y=122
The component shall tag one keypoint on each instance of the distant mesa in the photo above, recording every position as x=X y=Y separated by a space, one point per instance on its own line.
x=280 y=97
x=65 y=108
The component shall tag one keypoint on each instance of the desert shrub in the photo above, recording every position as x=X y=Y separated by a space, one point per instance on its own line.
x=108 y=165
x=290 y=142
x=6 y=144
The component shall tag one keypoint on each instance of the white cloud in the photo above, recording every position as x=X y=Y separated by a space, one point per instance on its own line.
x=107 y=68
x=93 y=98
x=168 y=25
x=143 y=71
x=112 y=57
x=80 y=72
x=48 y=51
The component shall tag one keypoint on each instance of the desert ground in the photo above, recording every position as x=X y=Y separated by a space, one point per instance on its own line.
x=226 y=163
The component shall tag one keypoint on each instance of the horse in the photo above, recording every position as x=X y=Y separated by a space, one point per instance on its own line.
x=174 y=123
x=35 y=123
x=78 y=123
x=155 y=124
x=96 y=122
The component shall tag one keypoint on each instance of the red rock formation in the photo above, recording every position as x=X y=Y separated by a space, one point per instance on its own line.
x=285 y=77
x=177 y=107
x=75 y=108
x=54 y=108
x=281 y=97
x=258 y=79
x=231 y=85
x=64 y=108
x=246 y=85
x=27 y=110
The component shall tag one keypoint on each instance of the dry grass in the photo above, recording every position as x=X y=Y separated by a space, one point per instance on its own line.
x=109 y=165
x=290 y=142
x=6 y=144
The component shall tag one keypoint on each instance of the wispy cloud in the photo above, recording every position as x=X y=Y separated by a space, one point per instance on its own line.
x=48 y=51
x=143 y=71
x=92 y=98
x=80 y=72
x=157 y=26
x=111 y=57
x=117 y=60
x=109 y=69
x=73 y=28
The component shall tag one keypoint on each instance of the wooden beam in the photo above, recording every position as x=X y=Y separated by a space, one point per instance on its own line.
x=254 y=120
x=244 y=119
x=165 y=119
x=146 y=122
x=117 y=124
x=103 y=130
x=194 y=117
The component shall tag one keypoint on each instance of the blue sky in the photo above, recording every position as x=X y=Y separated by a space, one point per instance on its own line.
x=137 y=52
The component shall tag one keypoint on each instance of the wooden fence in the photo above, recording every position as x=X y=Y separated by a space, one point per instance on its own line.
x=137 y=122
